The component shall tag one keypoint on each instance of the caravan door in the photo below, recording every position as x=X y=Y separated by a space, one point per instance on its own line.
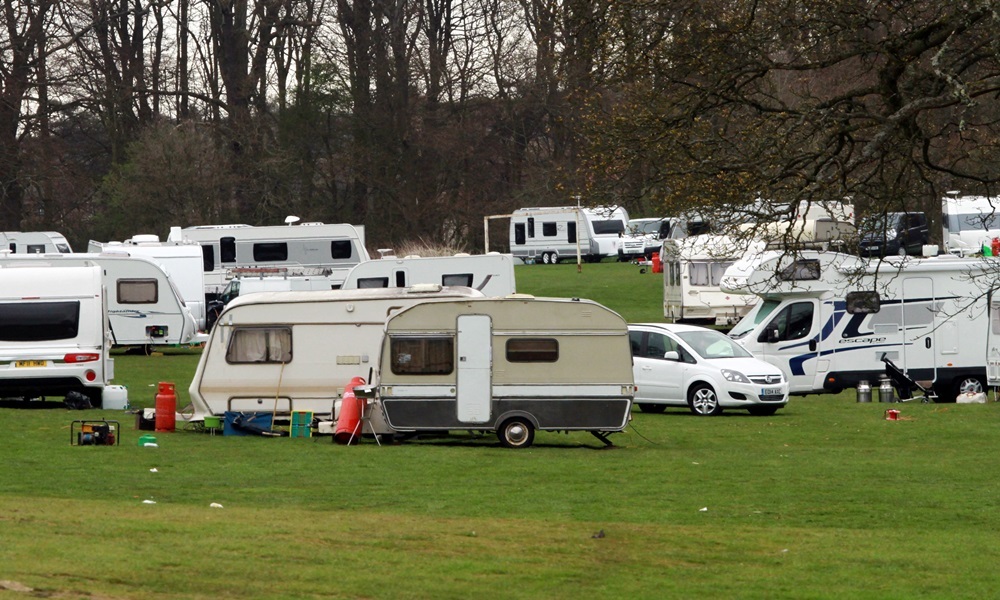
x=920 y=314
x=475 y=357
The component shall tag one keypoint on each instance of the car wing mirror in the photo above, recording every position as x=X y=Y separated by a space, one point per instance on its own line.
x=671 y=355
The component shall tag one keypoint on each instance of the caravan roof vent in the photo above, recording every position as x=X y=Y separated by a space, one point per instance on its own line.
x=425 y=288
x=145 y=238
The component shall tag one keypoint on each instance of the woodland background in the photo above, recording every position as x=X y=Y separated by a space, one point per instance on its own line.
x=418 y=117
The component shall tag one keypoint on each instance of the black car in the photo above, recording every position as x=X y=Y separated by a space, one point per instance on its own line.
x=899 y=233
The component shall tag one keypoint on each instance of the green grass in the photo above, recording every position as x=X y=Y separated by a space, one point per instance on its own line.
x=825 y=499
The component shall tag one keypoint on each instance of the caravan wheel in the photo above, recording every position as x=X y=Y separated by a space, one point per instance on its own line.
x=516 y=433
x=546 y=258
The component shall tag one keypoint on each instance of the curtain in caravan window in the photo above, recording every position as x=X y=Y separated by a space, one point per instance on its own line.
x=260 y=345
x=718 y=270
x=698 y=273
x=137 y=291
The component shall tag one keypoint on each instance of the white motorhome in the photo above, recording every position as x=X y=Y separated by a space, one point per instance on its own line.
x=693 y=268
x=511 y=365
x=54 y=336
x=310 y=246
x=183 y=262
x=827 y=320
x=492 y=274
x=295 y=351
x=969 y=223
x=549 y=235
x=143 y=305
x=34 y=242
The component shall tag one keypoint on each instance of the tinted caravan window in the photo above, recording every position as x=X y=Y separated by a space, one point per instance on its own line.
x=39 y=321
x=462 y=279
x=227 y=249
x=208 y=258
x=373 y=282
x=340 y=249
x=270 y=251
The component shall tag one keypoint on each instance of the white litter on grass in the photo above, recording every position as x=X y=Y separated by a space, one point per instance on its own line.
x=153 y=470
x=215 y=505
x=151 y=445
x=149 y=501
x=703 y=509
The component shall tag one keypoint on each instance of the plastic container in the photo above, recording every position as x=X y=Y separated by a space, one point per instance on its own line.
x=146 y=439
x=114 y=397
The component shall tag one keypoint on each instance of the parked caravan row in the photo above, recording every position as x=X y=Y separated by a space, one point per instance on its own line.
x=548 y=235
x=307 y=246
x=512 y=365
x=143 y=305
x=828 y=319
x=54 y=336
x=34 y=242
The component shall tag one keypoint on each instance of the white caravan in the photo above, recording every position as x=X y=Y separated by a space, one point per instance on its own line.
x=506 y=365
x=299 y=249
x=34 y=242
x=183 y=262
x=969 y=223
x=295 y=351
x=548 y=235
x=492 y=274
x=828 y=319
x=143 y=305
x=693 y=268
x=54 y=336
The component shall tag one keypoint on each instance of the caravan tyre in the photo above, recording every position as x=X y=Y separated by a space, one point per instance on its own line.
x=704 y=401
x=516 y=433
x=546 y=258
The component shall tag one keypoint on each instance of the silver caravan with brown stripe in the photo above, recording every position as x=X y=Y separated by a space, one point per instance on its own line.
x=511 y=365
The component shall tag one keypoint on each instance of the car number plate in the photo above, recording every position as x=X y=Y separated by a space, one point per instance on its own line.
x=770 y=392
x=29 y=363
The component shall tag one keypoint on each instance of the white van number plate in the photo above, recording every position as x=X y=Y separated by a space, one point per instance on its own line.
x=29 y=363
x=770 y=391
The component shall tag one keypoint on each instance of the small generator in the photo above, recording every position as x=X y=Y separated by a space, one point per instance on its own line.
x=94 y=433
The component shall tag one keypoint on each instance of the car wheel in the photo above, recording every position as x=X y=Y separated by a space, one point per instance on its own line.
x=902 y=250
x=651 y=408
x=762 y=411
x=516 y=433
x=704 y=401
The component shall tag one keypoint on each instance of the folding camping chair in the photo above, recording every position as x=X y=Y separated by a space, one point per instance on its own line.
x=905 y=385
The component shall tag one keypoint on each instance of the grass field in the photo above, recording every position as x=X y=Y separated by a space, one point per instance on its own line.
x=826 y=499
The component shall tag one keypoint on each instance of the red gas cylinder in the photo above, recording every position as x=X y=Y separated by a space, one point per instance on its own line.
x=166 y=407
x=657 y=263
x=995 y=246
x=348 y=430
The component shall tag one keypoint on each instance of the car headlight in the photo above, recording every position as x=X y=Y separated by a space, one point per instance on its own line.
x=734 y=376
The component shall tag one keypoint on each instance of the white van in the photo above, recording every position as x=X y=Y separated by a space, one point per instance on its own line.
x=492 y=274
x=969 y=223
x=548 y=235
x=828 y=319
x=507 y=365
x=54 y=336
x=143 y=305
x=295 y=351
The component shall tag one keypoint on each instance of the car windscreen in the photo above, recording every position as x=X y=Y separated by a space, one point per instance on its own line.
x=712 y=344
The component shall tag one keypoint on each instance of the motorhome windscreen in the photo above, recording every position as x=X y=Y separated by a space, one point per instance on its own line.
x=137 y=291
x=457 y=279
x=608 y=227
x=753 y=318
x=532 y=350
x=260 y=345
x=270 y=251
x=39 y=321
x=431 y=355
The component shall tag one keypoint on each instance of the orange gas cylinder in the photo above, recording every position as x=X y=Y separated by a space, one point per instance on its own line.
x=657 y=263
x=166 y=407
x=348 y=430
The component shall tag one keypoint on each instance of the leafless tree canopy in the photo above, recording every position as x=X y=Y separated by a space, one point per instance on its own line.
x=419 y=117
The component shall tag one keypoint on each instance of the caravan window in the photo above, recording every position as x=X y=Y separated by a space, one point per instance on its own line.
x=373 y=282
x=549 y=229
x=532 y=350
x=531 y=227
x=518 y=233
x=463 y=279
x=341 y=249
x=39 y=321
x=863 y=302
x=137 y=291
x=801 y=270
x=208 y=258
x=260 y=345
x=607 y=227
x=36 y=248
x=273 y=251
x=422 y=355
x=227 y=250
